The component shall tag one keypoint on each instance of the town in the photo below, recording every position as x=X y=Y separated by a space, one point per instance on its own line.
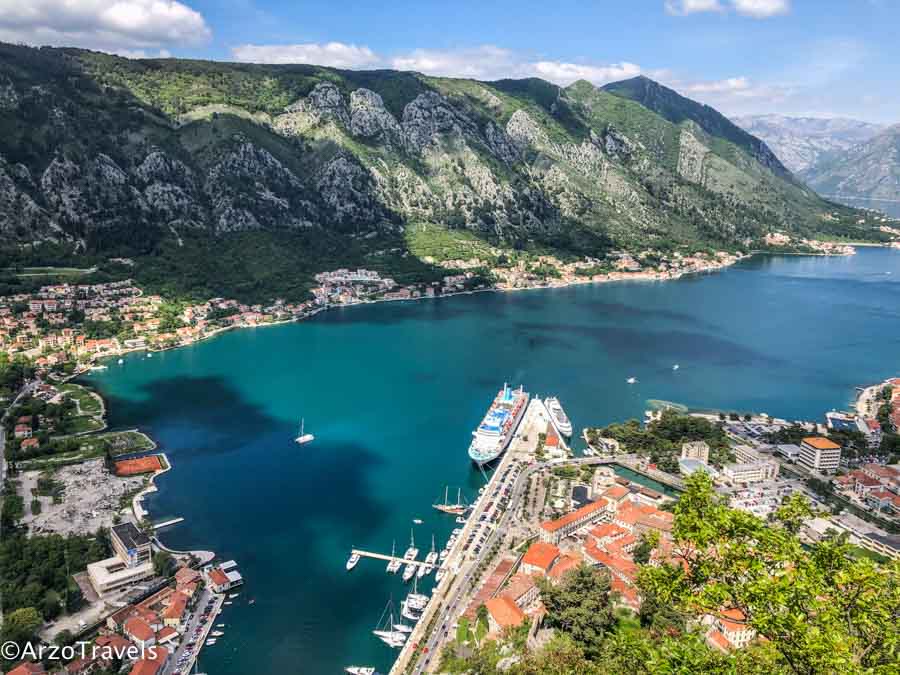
x=545 y=514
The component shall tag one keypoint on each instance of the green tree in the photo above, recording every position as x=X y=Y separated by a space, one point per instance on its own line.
x=648 y=541
x=580 y=606
x=821 y=610
x=21 y=625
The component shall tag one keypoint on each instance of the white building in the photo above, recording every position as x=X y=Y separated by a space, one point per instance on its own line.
x=756 y=472
x=695 y=450
x=820 y=454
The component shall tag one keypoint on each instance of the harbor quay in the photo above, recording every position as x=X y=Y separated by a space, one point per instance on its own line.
x=420 y=652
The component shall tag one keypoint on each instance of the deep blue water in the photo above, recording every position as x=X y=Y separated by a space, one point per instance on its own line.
x=392 y=391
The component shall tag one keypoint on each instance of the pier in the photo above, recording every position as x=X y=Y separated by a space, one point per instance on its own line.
x=404 y=561
x=166 y=523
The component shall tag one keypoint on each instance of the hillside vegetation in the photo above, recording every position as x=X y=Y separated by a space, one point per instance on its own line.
x=185 y=165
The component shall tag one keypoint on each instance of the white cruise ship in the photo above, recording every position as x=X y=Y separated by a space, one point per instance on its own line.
x=499 y=425
x=558 y=416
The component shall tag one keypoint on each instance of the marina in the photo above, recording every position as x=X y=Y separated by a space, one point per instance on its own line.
x=717 y=327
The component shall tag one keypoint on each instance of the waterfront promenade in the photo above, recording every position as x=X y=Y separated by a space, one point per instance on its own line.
x=420 y=653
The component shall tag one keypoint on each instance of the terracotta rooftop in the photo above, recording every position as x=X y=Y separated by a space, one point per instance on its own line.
x=717 y=640
x=541 y=554
x=616 y=492
x=733 y=620
x=217 y=577
x=565 y=564
x=505 y=612
x=554 y=525
x=608 y=530
x=138 y=629
x=821 y=443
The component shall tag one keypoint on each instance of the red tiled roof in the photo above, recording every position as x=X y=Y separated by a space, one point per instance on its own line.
x=565 y=564
x=27 y=668
x=149 y=666
x=176 y=609
x=604 y=530
x=114 y=642
x=505 y=612
x=541 y=554
x=733 y=619
x=554 y=525
x=138 y=629
x=616 y=492
x=518 y=585
x=186 y=575
x=217 y=577
x=718 y=640
x=166 y=633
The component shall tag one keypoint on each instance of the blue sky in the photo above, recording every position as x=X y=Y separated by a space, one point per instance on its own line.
x=799 y=57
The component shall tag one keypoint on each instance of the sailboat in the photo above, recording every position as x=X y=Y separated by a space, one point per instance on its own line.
x=391 y=637
x=440 y=574
x=394 y=565
x=416 y=600
x=456 y=509
x=359 y=670
x=430 y=560
x=302 y=437
x=410 y=570
x=407 y=612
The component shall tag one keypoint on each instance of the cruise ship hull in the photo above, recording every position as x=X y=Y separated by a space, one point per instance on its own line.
x=499 y=425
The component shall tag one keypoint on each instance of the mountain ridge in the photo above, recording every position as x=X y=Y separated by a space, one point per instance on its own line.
x=116 y=156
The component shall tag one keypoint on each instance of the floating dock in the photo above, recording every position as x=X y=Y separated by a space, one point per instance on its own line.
x=403 y=561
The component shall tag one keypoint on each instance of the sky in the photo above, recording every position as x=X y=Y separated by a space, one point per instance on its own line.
x=820 y=58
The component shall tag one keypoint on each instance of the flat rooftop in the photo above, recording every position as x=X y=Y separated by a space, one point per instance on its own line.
x=130 y=536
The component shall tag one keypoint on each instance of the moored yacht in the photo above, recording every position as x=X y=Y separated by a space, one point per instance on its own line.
x=394 y=564
x=352 y=560
x=558 y=416
x=359 y=670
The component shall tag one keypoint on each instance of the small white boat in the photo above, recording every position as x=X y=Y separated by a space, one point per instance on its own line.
x=217 y=633
x=210 y=642
x=121 y=361
x=303 y=438
x=149 y=356
x=352 y=560
x=359 y=670
x=403 y=628
x=460 y=520
x=227 y=602
x=439 y=574
x=409 y=572
x=220 y=625
x=98 y=367
x=444 y=554
x=233 y=596
x=407 y=613
x=676 y=367
x=417 y=521
x=631 y=380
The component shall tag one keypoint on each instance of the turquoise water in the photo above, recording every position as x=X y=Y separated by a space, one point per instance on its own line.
x=392 y=392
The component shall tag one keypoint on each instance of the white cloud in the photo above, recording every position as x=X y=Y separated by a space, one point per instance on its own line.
x=566 y=73
x=759 y=9
x=334 y=54
x=108 y=25
x=684 y=7
x=485 y=62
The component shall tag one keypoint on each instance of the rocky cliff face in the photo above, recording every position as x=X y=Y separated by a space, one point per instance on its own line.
x=799 y=142
x=94 y=148
x=869 y=170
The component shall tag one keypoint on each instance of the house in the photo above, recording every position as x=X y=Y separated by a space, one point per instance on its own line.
x=22 y=431
x=152 y=664
x=221 y=580
x=30 y=443
x=174 y=613
x=730 y=630
x=522 y=590
x=555 y=530
x=503 y=613
x=27 y=668
x=139 y=632
x=186 y=575
x=539 y=558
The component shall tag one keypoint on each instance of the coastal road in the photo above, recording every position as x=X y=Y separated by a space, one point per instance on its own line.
x=27 y=389
x=195 y=622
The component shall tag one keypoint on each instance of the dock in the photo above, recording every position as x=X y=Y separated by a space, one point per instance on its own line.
x=382 y=556
x=166 y=523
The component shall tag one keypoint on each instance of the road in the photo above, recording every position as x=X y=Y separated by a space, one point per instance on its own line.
x=27 y=389
x=195 y=622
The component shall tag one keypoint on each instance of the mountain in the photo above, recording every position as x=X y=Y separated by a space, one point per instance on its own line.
x=799 y=142
x=266 y=174
x=868 y=170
